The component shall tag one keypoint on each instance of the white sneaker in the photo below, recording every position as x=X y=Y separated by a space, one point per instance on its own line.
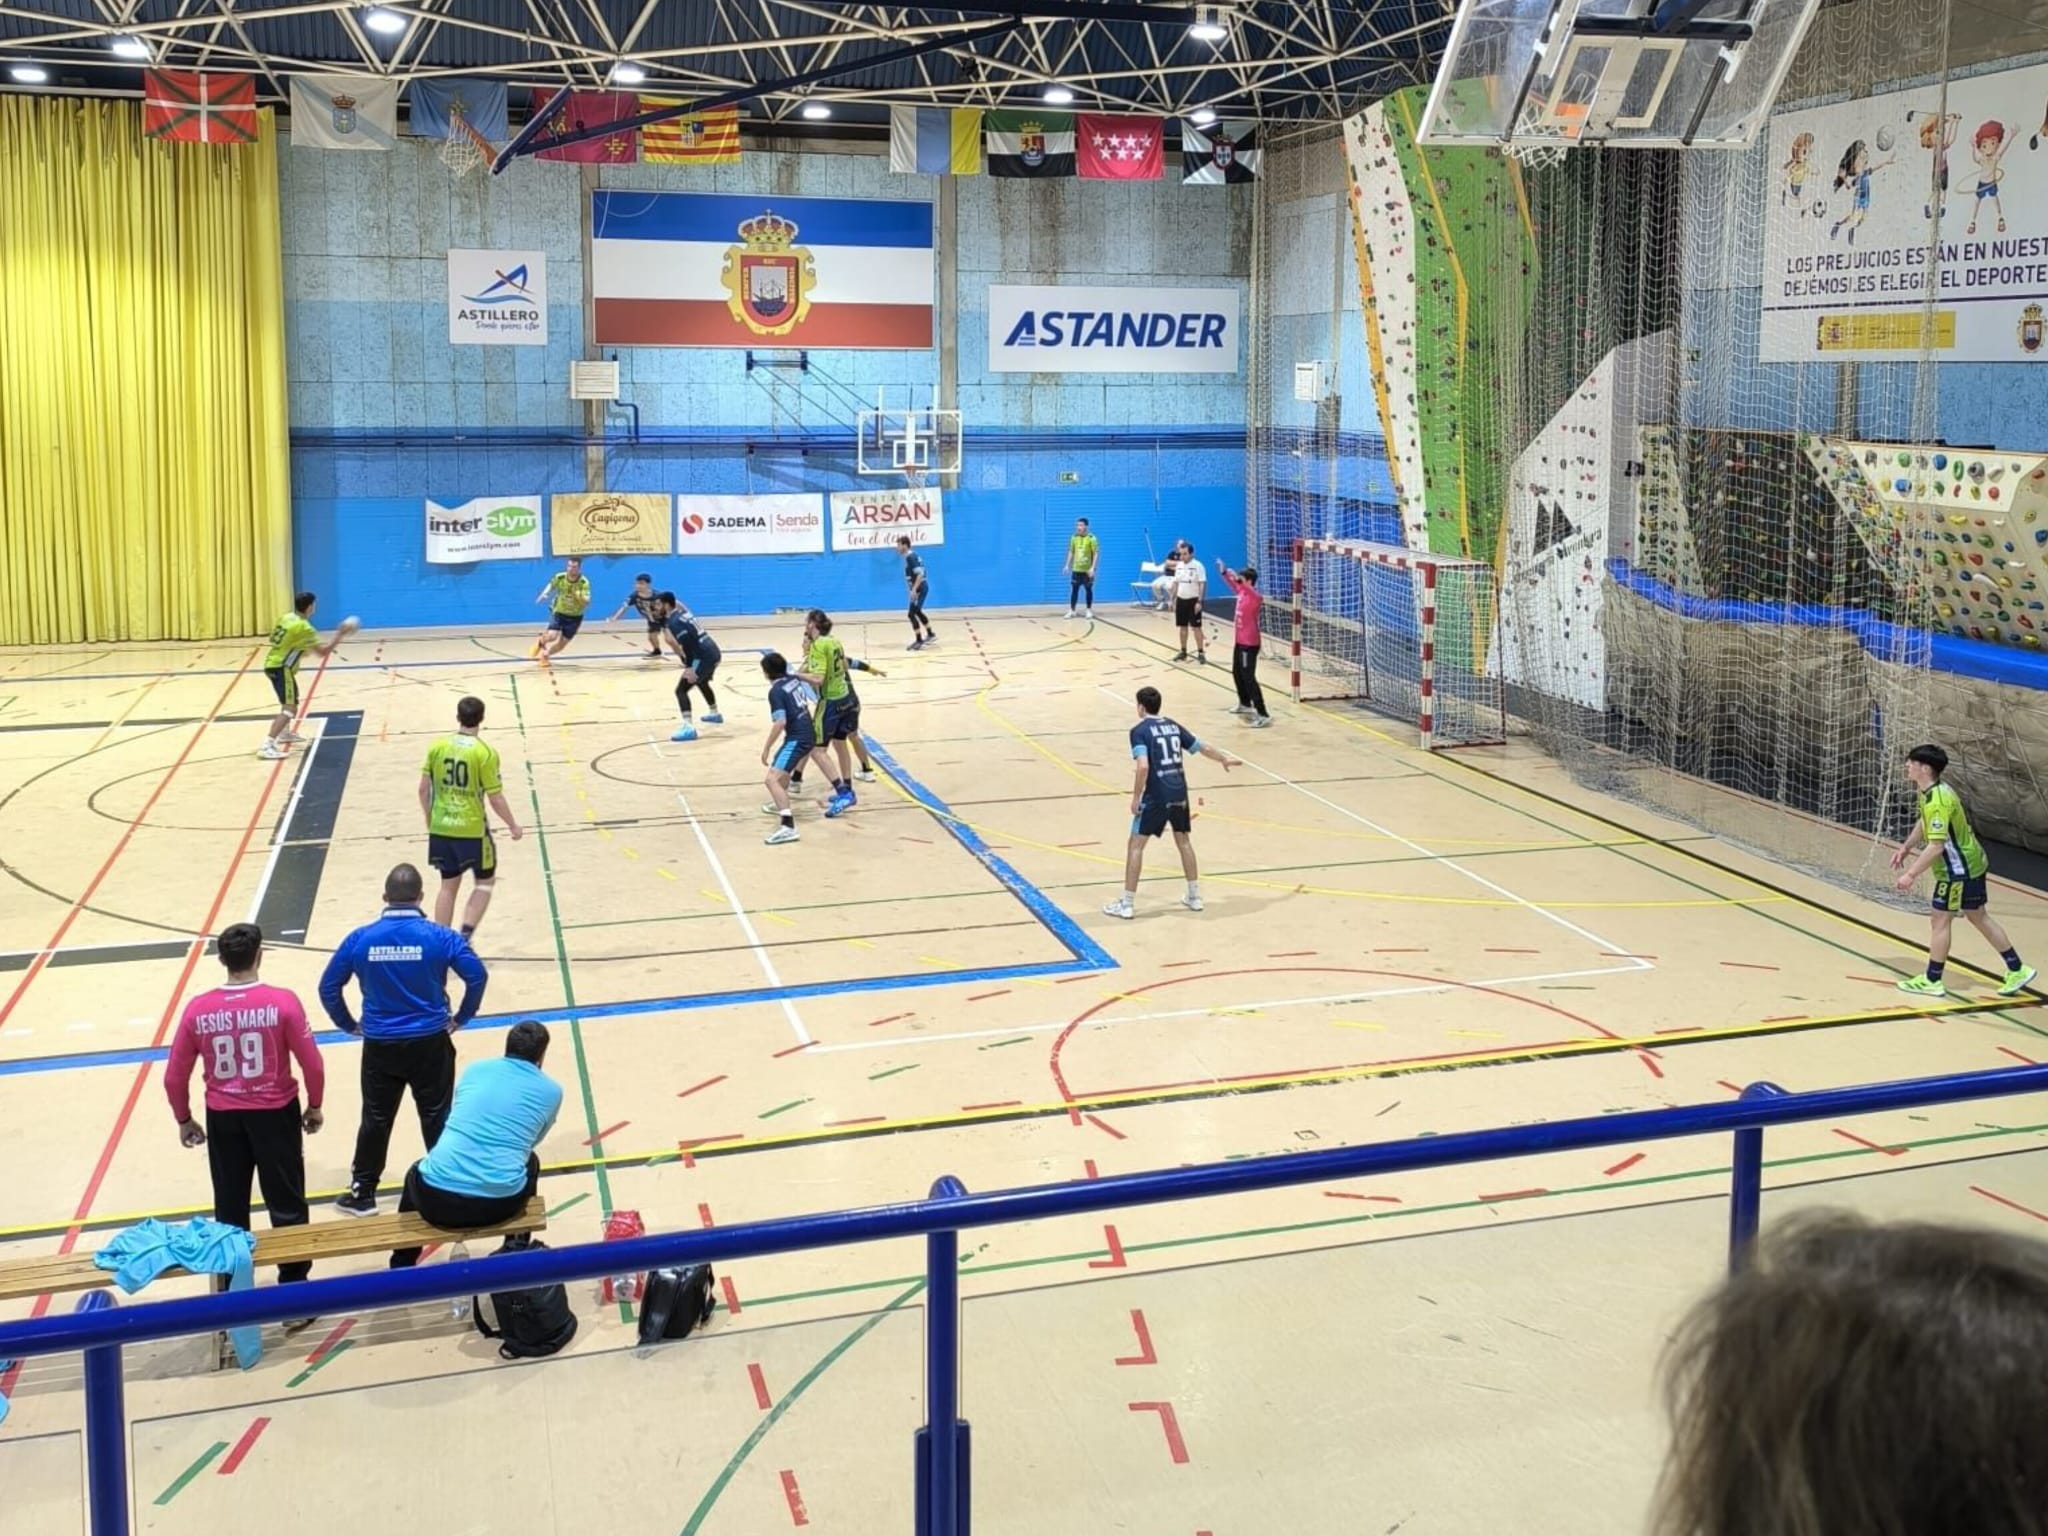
x=865 y=775
x=1120 y=908
x=290 y=736
x=1192 y=903
x=1071 y=614
x=271 y=751
x=1260 y=722
x=782 y=835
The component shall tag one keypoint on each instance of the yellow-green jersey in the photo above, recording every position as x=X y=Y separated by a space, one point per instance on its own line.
x=826 y=661
x=290 y=638
x=463 y=770
x=567 y=596
x=1081 y=552
x=1946 y=825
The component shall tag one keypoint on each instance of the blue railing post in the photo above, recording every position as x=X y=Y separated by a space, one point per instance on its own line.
x=106 y=1440
x=1746 y=1197
x=942 y=1451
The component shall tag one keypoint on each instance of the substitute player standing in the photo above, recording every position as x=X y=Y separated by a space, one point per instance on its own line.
x=1945 y=831
x=917 y=588
x=460 y=773
x=1083 y=554
x=292 y=638
x=567 y=595
x=1159 y=798
x=246 y=1036
x=700 y=656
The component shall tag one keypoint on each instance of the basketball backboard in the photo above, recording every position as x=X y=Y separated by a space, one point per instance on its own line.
x=911 y=441
x=1641 y=74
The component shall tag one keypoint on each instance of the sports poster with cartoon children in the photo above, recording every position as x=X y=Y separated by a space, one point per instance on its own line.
x=1912 y=217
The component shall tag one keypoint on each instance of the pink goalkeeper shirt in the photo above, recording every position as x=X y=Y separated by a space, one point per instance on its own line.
x=245 y=1035
x=1248 y=604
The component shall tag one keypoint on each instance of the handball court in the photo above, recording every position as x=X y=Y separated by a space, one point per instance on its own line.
x=1395 y=945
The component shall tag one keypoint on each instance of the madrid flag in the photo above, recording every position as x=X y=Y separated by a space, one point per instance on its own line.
x=1119 y=148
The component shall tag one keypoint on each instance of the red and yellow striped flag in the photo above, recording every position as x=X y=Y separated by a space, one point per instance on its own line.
x=696 y=138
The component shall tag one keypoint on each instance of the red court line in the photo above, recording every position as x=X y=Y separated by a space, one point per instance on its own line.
x=1088 y=1164
x=1285 y=954
x=42 y=956
x=1625 y=1164
x=1116 y=1258
x=708 y=1082
x=331 y=1340
x=704 y=1215
x=860 y=1120
x=732 y=1297
x=1683 y=1029
x=1651 y=1062
x=1745 y=965
x=1146 y=1354
x=925 y=840
x=1784 y=1018
x=2024 y=1210
x=878 y=1023
x=998 y=1104
x=1174 y=965
x=805 y=1046
x=1722 y=1082
x=982 y=997
x=1176 y=1447
x=234 y=1457
x=1863 y=1142
x=1401 y=951
x=1617 y=954
x=760 y=1382
x=1514 y=951
x=2016 y=1056
x=1876 y=981
x=798 y=1515
x=1345 y=1194
x=1512 y=1194
x=608 y=1130
x=1103 y=1125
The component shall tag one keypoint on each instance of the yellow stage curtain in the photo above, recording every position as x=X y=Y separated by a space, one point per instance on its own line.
x=145 y=479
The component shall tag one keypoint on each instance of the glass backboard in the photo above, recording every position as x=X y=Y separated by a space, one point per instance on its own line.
x=1676 y=74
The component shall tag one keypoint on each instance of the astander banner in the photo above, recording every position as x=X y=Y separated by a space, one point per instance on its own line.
x=487 y=528
x=877 y=519
x=790 y=524
x=597 y=523
x=1853 y=192
x=1112 y=330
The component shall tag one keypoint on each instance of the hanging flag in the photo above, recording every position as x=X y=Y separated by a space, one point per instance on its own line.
x=479 y=103
x=1030 y=143
x=1219 y=153
x=1119 y=148
x=186 y=108
x=590 y=109
x=344 y=112
x=696 y=138
x=935 y=141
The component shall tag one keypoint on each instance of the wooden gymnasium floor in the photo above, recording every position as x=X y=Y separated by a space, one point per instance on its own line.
x=1394 y=946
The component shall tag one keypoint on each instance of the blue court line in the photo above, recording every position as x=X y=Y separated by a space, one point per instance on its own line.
x=1086 y=955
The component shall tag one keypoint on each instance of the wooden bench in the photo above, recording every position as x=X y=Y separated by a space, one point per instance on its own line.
x=343 y=1237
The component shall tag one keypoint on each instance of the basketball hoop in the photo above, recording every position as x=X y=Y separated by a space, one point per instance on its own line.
x=913 y=477
x=464 y=149
x=1534 y=154
x=1567 y=120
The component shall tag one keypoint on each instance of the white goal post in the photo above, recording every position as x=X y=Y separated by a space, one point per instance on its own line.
x=1405 y=632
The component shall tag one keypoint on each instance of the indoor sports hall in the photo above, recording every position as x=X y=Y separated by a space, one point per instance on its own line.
x=1196 y=730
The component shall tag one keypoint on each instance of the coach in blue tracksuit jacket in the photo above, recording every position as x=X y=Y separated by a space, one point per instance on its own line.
x=401 y=962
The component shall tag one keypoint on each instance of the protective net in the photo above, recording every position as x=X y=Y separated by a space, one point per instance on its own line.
x=1403 y=633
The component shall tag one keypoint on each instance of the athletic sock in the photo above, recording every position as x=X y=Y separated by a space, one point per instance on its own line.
x=1935 y=968
x=2012 y=959
x=842 y=786
x=1194 y=890
x=788 y=820
x=1130 y=898
x=468 y=929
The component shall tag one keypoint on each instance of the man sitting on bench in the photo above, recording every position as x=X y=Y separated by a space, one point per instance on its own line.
x=483 y=1169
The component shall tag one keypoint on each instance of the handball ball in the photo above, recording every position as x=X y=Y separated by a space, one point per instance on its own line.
x=1884 y=140
x=351 y=624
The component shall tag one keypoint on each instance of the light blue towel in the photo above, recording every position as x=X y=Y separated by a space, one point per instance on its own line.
x=138 y=1255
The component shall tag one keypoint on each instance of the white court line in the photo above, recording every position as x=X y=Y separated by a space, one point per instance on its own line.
x=1220 y=1010
x=284 y=822
x=732 y=897
x=1606 y=945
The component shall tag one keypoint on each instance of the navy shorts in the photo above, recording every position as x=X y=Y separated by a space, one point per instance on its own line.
x=1964 y=895
x=284 y=682
x=1152 y=820
x=790 y=755
x=919 y=593
x=566 y=623
x=705 y=664
x=841 y=719
x=453 y=857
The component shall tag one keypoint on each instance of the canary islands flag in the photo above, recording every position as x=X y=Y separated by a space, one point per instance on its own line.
x=935 y=141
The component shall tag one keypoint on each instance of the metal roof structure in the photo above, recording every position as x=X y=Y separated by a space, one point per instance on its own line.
x=1268 y=59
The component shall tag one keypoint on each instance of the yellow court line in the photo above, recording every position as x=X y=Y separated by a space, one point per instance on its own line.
x=1179 y=1093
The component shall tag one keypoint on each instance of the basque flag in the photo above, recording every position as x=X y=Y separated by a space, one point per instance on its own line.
x=183 y=107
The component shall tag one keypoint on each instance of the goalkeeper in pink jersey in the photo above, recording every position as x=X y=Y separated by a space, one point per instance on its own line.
x=246 y=1035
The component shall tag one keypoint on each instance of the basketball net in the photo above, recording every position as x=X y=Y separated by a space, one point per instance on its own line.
x=464 y=149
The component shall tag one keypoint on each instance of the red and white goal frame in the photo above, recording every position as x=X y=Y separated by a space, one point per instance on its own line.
x=1405 y=631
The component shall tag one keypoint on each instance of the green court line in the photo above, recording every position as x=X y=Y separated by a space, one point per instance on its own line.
x=774 y=1415
x=547 y=880
x=573 y=1200
x=876 y=1077
x=340 y=1349
x=998 y=1045
x=770 y=1114
x=185 y=1477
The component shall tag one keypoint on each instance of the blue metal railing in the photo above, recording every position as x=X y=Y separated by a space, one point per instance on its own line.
x=941 y=1450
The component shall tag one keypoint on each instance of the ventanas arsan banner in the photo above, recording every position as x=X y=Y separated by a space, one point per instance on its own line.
x=586 y=523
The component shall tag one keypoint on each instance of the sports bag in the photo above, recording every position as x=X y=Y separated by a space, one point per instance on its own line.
x=674 y=1302
x=526 y=1324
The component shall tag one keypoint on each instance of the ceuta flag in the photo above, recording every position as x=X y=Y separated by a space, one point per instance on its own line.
x=590 y=109
x=188 y=108
x=1119 y=148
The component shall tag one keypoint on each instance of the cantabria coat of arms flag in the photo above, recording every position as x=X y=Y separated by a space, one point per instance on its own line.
x=768 y=276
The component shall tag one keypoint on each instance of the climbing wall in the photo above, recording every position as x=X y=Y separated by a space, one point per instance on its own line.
x=1383 y=226
x=1662 y=545
x=1968 y=528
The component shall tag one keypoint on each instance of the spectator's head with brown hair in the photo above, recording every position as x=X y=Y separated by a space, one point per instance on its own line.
x=1862 y=1380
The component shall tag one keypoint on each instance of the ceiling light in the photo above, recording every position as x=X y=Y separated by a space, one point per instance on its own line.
x=628 y=74
x=378 y=19
x=1202 y=117
x=816 y=111
x=130 y=48
x=1057 y=95
x=28 y=74
x=1208 y=25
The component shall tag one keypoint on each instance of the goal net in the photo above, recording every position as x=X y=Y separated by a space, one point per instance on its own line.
x=1401 y=632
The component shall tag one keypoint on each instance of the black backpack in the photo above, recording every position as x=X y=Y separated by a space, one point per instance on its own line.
x=674 y=1302
x=526 y=1324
